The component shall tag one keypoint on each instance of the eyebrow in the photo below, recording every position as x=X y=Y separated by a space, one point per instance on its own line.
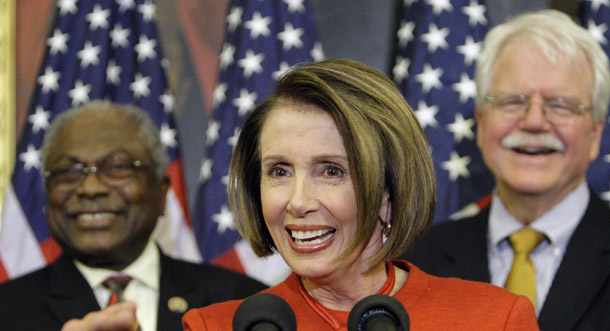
x=316 y=159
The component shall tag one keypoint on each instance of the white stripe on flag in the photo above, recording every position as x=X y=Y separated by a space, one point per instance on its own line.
x=172 y=233
x=19 y=249
x=270 y=270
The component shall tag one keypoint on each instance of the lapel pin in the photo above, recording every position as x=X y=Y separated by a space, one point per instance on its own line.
x=177 y=305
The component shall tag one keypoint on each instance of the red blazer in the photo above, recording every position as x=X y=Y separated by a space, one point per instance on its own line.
x=432 y=303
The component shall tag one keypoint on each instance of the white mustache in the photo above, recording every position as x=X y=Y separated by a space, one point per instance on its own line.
x=538 y=140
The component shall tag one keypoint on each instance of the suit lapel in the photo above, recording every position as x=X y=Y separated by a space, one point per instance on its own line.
x=178 y=293
x=584 y=269
x=70 y=294
x=467 y=255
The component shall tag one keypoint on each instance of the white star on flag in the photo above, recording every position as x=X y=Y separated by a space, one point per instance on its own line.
x=284 y=67
x=125 y=5
x=401 y=69
x=426 y=114
x=226 y=56
x=232 y=141
x=476 y=13
x=167 y=100
x=147 y=10
x=49 y=80
x=595 y=4
x=461 y=128
x=245 y=102
x=40 y=119
x=430 y=78
x=67 y=7
x=234 y=18
x=224 y=220
x=295 y=6
x=119 y=36
x=30 y=158
x=146 y=48
x=219 y=95
x=80 y=93
x=598 y=31
x=168 y=136
x=98 y=18
x=251 y=63
x=439 y=5
x=212 y=132
x=290 y=37
x=405 y=33
x=89 y=55
x=205 y=172
x=436 y=38
x=466 y=87
x=470 y=50
x=113 y=72
x=258 y=25
x=57 y=43
x=457 y=166
x=140 y=86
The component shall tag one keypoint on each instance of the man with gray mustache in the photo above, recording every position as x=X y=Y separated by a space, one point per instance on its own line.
x=104 y=171
x=543 y=88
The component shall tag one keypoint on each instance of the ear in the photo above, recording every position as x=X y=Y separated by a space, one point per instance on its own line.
x=596 y=137
x=385 y=212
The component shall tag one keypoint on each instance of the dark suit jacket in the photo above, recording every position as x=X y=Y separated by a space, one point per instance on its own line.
x=579 y=297
x=49 y=297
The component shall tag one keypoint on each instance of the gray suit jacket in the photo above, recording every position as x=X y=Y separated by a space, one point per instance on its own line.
x=47 y=298
x=579 y=297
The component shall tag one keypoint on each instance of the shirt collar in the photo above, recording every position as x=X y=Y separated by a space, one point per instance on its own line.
x=145 y=269
x=557 y=224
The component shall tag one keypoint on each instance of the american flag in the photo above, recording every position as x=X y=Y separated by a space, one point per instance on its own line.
x=595 y=17
x=263 y=39
x=103 y=49
x=438 y=44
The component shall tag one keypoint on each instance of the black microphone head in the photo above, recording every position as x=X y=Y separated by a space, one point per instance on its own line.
x=264 y=309
x=378 y=312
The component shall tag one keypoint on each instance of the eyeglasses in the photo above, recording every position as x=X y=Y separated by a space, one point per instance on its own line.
x=113 y=170
x=557 y=110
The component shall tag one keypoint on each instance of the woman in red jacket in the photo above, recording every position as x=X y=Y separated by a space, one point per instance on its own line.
x=333 y=171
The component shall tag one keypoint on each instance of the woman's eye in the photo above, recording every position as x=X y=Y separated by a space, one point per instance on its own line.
x=277 y=172
x=333 y=172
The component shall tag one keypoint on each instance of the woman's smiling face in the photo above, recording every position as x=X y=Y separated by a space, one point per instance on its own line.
x=308 y=198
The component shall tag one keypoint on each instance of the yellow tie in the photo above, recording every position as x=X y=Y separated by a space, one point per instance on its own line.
x=522 y=277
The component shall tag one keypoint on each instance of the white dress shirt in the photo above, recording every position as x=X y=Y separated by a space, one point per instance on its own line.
x=143 y=289
x=557 y=225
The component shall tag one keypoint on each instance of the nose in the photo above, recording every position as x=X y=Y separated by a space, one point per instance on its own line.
x=535 y=117
x=91 y=185
x=303 y=198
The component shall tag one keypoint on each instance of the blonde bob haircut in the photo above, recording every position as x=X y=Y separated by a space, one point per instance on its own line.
x=386 y=147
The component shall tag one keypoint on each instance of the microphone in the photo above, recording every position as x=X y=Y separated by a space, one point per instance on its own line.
x=264 y=312
x=378 y=312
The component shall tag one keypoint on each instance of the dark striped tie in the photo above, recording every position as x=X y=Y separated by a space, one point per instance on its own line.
x=116 y=284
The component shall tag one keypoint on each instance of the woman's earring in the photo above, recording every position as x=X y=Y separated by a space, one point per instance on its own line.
x=386 y=229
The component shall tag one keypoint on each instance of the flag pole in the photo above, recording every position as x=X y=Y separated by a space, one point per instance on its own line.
x=7 y=96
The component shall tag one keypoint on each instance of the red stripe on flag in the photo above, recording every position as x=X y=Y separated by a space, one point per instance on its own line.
x=3 y=273
x=176 y=182
x=229 y=260
x=50 y=249
x=483 y=202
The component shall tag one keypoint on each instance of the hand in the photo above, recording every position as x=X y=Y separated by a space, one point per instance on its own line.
x=118 y=317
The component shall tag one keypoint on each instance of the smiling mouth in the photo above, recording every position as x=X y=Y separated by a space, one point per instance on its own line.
x=534 y=151
x=94 y=220
x=315 y=237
